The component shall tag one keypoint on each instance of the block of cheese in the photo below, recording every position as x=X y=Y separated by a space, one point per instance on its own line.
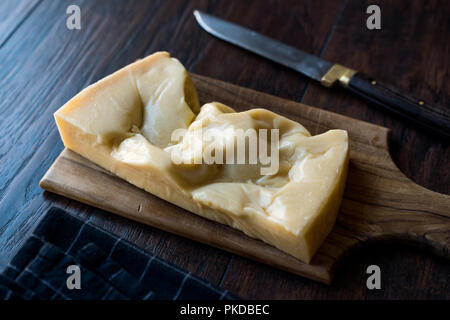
x=125 y=122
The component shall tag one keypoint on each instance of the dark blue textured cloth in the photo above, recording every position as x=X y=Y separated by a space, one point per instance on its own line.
x=110 y=267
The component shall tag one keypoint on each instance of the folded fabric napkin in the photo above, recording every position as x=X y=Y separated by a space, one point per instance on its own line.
x=109 y=267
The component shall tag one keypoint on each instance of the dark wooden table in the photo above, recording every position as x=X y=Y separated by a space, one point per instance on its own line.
x=43 y=64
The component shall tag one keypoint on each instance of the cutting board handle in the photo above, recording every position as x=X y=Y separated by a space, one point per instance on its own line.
x=424 y=219
x=390 y=207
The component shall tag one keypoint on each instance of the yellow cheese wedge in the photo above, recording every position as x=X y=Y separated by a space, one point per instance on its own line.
x=125 y=122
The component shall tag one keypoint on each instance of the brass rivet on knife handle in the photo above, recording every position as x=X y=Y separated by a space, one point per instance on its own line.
x=337 y=73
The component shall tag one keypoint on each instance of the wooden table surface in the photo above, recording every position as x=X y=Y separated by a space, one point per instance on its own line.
x=43 y=64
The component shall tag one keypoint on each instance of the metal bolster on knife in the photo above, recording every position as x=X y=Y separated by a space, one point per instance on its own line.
x=337 y=73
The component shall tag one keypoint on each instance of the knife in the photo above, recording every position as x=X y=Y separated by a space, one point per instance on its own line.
x=435 y=119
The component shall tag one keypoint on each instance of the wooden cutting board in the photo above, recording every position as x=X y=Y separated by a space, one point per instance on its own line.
x=379 y=203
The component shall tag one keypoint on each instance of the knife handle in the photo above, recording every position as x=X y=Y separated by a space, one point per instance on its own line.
x=433 y=118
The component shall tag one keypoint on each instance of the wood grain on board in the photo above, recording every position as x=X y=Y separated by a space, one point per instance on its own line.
x=43 y=64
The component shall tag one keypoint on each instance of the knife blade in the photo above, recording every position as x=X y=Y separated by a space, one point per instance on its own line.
x=434 y=119
x=276 y=51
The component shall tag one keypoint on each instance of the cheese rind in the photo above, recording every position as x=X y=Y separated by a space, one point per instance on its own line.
x=124 y=123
